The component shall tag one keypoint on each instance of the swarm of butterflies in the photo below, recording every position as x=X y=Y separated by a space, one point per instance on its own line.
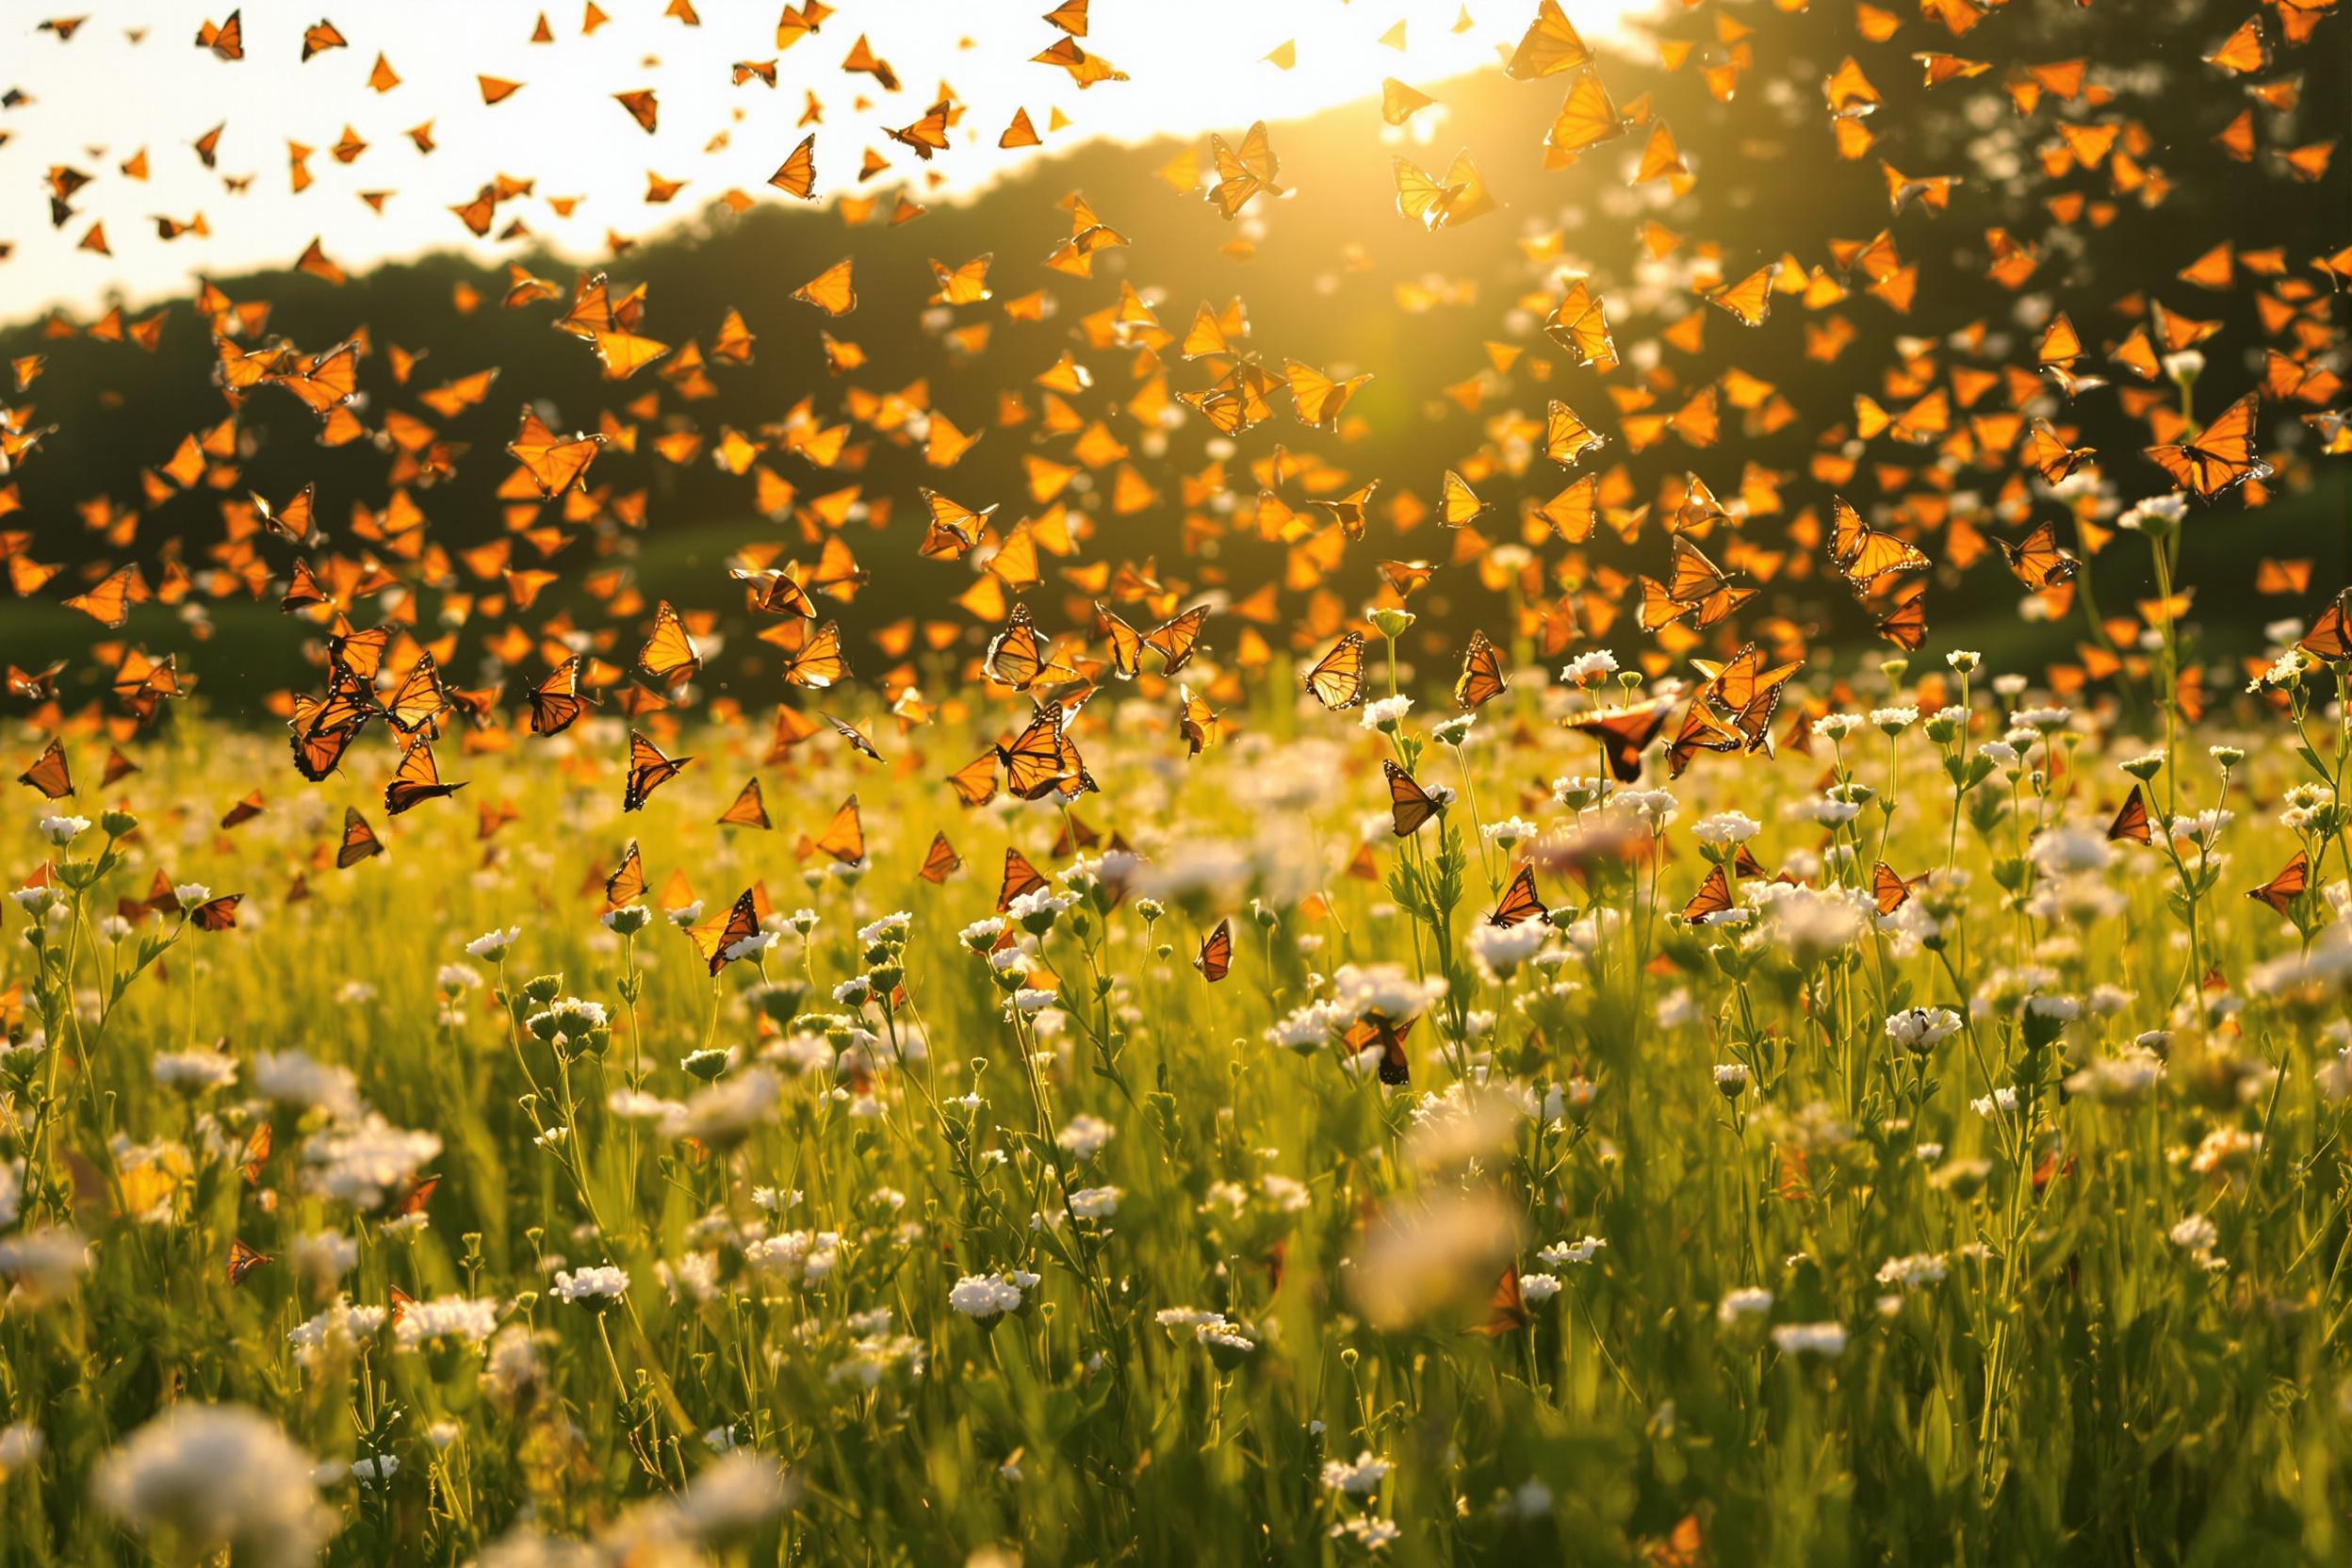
x=1965 y=431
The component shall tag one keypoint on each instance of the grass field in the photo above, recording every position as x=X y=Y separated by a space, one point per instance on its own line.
x=2008 y=1226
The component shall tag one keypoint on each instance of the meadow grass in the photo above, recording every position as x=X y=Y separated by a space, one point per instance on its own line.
x=2008 y=1226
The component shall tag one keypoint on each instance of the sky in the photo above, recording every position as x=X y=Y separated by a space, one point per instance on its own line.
x=95 y=100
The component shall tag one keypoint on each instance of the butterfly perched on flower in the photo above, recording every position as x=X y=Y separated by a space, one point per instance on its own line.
x=1409 y=805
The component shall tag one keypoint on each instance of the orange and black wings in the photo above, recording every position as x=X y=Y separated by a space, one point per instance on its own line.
x=1409 y=805
x=1481 y=678
x=49 y=773
x=1520 y=901
x=1216 y=953
x=2131 y=824
x=1337 y=679
x=359 y=840
x=2289 y=884
x=648 y=770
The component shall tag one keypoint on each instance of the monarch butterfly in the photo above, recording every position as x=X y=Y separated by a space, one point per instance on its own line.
x=1216 y=953
x=1337 y=679
x=941 y=861
x=359 y=840
x=669 y=655
x=1348 y=510
x=1400 y=103
x=294 y=519
x=1034 y=762
x=1586 y=118
x=1701 y=731
x=1906 y=625
x=1550 y=45
x=1409 y=805
x=1579 y=323
x=1317 y=398
x=244 y=1260
x=1481 y=678
x=318 y=752
x=858 y=743
x=1750 y=300
x=1890 y=890
x=1742 y=679
x=1520 y=902
x=954 y=526
x=2331 y=637
x=1175 y=640
x=797 y=174
x=1507 y=1308
x=1020 y=877
x=256 y=1159
x=2222 y=455
x=830 y=291
x=713 y=939
x=418 y=699
x=1085 y=69
x=359 y=654
x=974 y=783
x=1423 y=198
x=845 y=836
x=2283 y=889
x=1566 y=437
x=1713 y=898
x=415 y=781
x=109 y=602
x=1864 y=554
x=626 y=884
x=648 y=770
x=2273 y=575
x=2051 y=457
x=49 y=773
x=776 y=593
x=1458 y=504
x=749 y=811
x=118 y=766
x=1623 y=734
x=1395 y=1067
x=1016 y=656
x=926 y=136
x=215 y=914
x=555 y=463
x=2131 y=820
x=2038 y=561
x=226 y=40
x=556 y=701
x=1196 y=722
x=1242 y=175
x=818 y=662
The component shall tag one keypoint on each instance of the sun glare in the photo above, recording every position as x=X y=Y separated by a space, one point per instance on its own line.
x=311 y=149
